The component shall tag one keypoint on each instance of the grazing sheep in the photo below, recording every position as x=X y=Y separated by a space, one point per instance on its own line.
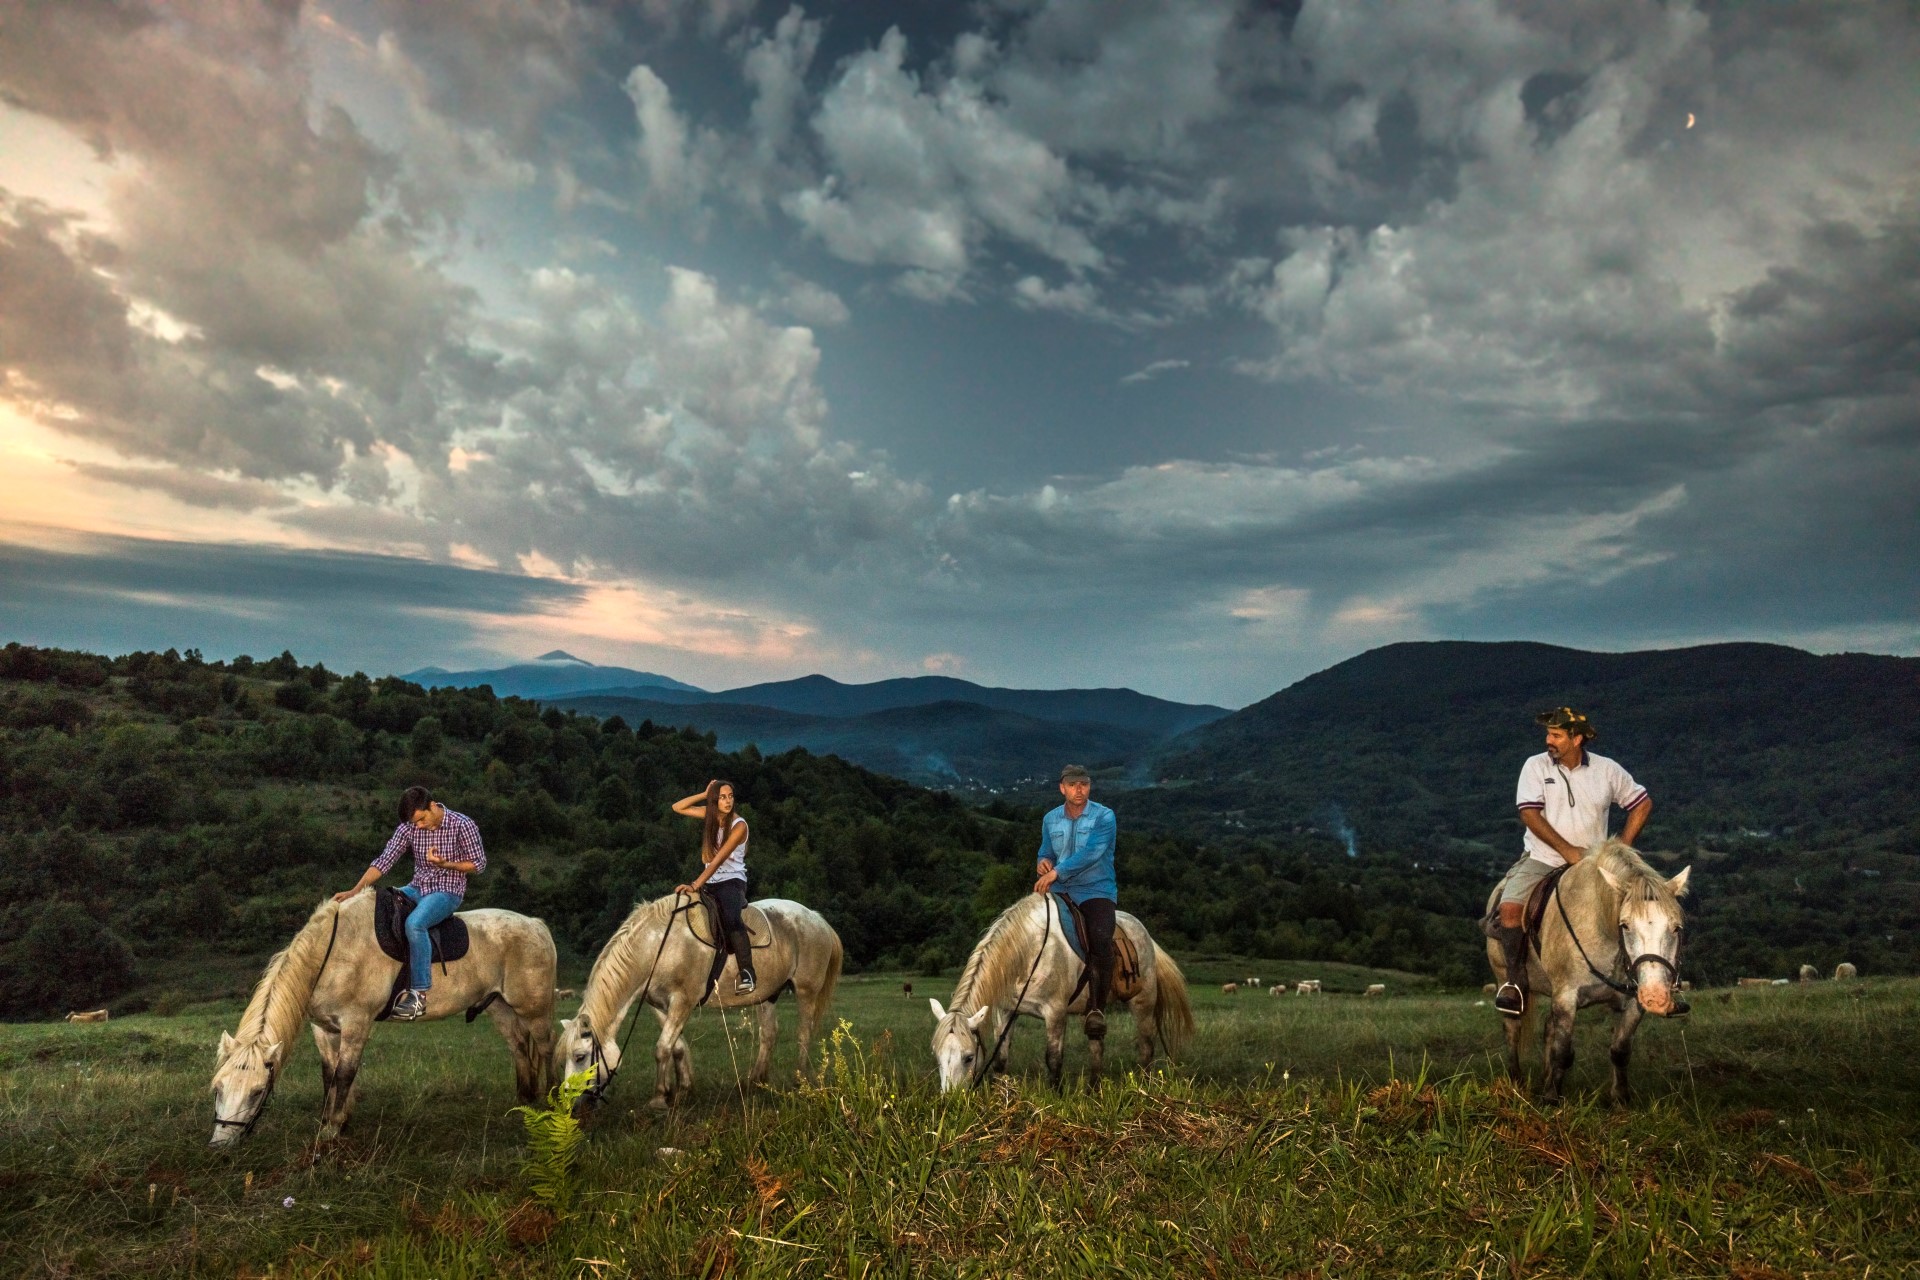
x=906 y=988
x=563 y=993
x=1308 y=987
x=1487 y=989
x=1844 y=971
x=1230 y=988
x=1758 y=982
x=1809 y=974
x=1375 y=989
x=92 y=1015
x=1278 y=989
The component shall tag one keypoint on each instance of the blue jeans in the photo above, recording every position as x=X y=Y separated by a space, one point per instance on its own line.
x=427 y=912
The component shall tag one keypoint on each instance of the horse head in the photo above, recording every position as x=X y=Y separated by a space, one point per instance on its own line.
x=242 y=1083
x=959 y=1050
x=1651 y=924
x=580 y=1047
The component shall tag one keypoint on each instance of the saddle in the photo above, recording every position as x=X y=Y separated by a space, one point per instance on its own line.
x=1126 y=981
x=449 y=938
x=705 y=927
x=390 y=911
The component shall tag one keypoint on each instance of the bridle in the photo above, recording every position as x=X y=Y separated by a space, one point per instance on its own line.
x=273 y=1068
x=1631 y=987
x=596 y=1056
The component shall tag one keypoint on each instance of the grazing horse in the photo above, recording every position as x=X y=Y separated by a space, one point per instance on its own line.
x=654 y=955
x=334 y=975
x=1612 y=939
x=1022 y=964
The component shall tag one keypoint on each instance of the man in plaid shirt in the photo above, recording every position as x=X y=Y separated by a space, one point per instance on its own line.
x=446 y=850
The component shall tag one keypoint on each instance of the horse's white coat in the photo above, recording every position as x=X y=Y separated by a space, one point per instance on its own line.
x=996 y=973
x=341 y=990
x=672 y=972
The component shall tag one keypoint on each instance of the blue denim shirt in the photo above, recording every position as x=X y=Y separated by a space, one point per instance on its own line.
x=1081 y=851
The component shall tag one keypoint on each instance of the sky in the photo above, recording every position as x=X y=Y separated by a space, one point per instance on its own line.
x=1191 y=347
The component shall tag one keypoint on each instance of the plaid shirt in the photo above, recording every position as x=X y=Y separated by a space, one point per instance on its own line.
x=456 y=839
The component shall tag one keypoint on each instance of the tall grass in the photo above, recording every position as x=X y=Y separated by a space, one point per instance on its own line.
x=1775 y=1136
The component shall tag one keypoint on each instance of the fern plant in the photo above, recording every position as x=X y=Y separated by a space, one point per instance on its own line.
x=553 y=1142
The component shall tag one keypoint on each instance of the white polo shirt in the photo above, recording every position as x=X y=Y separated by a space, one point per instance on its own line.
x=1574 y=801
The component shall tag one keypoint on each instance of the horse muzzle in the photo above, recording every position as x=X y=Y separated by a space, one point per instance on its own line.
x=1656 y=982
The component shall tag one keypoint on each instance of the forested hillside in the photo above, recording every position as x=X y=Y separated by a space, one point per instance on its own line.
x=166 y=822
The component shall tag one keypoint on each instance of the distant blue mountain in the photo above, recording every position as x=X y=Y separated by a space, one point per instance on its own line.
x=822 y=696
x=552 y=675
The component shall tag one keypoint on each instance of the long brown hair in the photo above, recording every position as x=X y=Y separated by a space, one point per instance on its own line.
x=711 y=832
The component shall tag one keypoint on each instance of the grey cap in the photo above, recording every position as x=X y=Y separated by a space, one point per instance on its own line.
x=1073 y=771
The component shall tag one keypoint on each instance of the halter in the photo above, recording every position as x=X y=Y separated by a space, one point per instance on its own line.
x=273 y=1068
x=596 y=1057
x=1631 y=987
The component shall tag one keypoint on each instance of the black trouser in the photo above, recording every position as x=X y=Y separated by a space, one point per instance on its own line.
x=731 y=897
x=1096 y=914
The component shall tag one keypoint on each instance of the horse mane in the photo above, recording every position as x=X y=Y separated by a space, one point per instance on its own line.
x=614 y=969
x=1632 y=871
x=997 y=964
x=279 y=1002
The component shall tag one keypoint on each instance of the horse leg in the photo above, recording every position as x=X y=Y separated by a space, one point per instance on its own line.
x=682 y=1066
x=805 y=998
x=351 y=1041
x=668 y=1052
x=769 y=1021
x=326 y=1041
x=1621 y=1050
x=1096 y=1060
x=1056 y=1045
x=1516 y=1030
x=1559 y=1046
x=528 y=1069
x=1146 y=1024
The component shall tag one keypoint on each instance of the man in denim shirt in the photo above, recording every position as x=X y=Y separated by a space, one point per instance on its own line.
x=1076 y=859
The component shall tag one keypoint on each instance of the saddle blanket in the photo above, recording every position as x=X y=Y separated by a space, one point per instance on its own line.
x=1126 y=959
x=390 y=911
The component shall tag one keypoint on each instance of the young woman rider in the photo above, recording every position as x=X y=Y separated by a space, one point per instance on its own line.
x=723 y=847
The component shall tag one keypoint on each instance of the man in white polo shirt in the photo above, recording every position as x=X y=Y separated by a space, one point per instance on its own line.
x=1565 y=795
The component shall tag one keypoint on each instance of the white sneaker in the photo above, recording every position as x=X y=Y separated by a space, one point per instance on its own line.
x=410 y=1006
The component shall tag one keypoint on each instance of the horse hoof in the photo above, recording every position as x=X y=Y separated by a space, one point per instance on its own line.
x=657 y=1103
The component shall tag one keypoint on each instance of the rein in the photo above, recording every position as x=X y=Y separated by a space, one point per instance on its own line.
x=597 y=1059
x=1630 y=987
x=1006 y=1028
x=273 y=1069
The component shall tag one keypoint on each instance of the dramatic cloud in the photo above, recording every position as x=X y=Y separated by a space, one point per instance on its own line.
x=1185 y=345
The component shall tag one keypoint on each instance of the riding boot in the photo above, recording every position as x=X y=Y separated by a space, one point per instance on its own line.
x=741 y=944
x=1511 y=998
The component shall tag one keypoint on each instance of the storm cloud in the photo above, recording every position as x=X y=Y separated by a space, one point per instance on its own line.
x=1187 y=346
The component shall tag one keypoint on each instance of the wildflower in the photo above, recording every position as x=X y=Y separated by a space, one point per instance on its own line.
x=287 y=1203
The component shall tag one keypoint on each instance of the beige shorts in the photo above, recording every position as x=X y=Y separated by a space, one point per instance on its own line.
x=1522 y=877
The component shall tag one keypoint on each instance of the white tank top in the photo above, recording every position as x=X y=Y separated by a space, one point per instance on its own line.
x=735 y=867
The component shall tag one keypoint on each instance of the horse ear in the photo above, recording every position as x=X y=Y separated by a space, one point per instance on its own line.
x=1608 y=874
x=979 y=1016
x=1678 y=885
x=226 y=1044
x=582 y=1021
x=939 y=1012
x=272 y=1054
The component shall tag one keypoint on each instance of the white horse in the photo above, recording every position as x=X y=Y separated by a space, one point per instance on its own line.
x=1003 y=979
x=334 y=975
x=654 y=954
x=1612 y=939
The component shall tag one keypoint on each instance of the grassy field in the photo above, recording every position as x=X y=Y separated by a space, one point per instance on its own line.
x=1774 y=1135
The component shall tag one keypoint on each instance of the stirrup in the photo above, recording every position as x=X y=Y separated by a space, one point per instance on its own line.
x=1096 y=1024
x=745 y=986
x=1520 y=1004
x=411 y=1006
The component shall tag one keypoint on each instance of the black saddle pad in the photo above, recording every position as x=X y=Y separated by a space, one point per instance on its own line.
x=709 y=920
x=390 y=911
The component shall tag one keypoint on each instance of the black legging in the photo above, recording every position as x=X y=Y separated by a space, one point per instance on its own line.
x=731 y=897
x=1097 y=913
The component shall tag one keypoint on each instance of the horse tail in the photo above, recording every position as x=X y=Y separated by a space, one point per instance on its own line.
x=835 y=955
x=1175 y=1010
